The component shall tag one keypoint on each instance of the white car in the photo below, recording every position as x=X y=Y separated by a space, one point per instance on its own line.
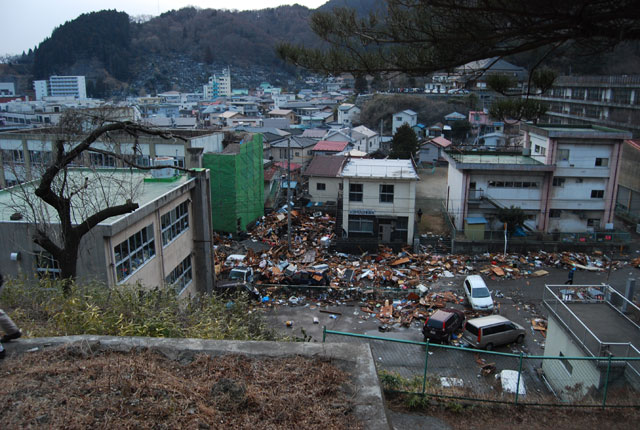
x=477 y=293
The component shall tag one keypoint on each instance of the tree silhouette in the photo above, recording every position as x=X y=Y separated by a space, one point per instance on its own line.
x=405 y=143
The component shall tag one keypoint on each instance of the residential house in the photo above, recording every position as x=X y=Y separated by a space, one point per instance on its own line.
x=453 y=117
x=565 y=180
x=160 y=243
x=316 y=119
x=301 y=150
x=347 y=114
x=589 y=324
x=378 y=201
x=431 y=151
x=288 y=114
x=405 y=117
x=323 y=174
x=327 y=147
x=314 y=133
x=371 y=141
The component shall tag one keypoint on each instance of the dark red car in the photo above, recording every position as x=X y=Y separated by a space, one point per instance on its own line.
x=442 y=324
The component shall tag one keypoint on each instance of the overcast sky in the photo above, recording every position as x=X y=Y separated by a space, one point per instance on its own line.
x=26 y=23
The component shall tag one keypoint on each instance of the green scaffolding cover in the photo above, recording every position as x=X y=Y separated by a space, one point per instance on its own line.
x=237 y=186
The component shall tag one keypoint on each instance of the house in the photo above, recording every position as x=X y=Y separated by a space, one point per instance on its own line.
x=347 y=114
x=316 y=119
x=323 y=174
x=590 y=323
x=162 y=242
x=227 y=118
x=288 y=114
x=378 y=200
x=431 y=151
x=628 y=199
x=565 y=179
x=405 y=117
x=453 y=117
x=301 y=150
x=478 y=119
x=327 y=147
x=371 y=139
x=314 y=133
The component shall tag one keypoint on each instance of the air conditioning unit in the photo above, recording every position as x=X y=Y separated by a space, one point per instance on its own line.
x=578 y=180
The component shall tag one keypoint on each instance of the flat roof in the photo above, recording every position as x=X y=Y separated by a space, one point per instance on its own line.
x=606 y=323
x=578 y=131
x=115 y=183
x=370 y=168
x=494 y=159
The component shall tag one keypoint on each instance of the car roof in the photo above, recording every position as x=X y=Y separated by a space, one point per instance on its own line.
x=488 y=320
x=442 y=314
x=476 y=281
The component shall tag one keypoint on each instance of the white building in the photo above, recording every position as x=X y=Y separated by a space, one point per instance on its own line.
x=325 y=183
x=41 y=88
x=218 y=85
x=7 y=89
x=378 y=200
x=68 y=86
x=371 y=141
x=565 y=180
x=405 y=117
x=347 y=114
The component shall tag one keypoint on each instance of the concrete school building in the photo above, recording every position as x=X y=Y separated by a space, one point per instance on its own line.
x=167 y=240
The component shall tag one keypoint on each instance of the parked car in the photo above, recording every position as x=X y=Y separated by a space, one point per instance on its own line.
x=494 y=330
x=477 y=293
x=240 y=278
x=440 y=326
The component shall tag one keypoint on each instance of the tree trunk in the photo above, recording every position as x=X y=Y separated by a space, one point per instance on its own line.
x=68 y=261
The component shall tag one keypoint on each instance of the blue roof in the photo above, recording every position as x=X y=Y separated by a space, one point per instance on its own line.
x=285 y=184
x=476 y=220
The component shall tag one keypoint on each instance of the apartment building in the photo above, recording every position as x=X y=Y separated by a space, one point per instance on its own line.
x=61 y=86
x=565 y=179
x=612 y=101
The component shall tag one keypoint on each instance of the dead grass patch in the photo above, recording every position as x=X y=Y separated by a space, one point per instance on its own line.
x=77 y=388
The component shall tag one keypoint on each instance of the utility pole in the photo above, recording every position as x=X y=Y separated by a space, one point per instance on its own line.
x=289 y=193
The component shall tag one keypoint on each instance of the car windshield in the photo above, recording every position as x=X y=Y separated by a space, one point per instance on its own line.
x=434 y=323
x=236 y=274
x=480 y=293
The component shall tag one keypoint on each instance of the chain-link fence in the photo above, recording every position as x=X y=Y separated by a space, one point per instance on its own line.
x=488 y=376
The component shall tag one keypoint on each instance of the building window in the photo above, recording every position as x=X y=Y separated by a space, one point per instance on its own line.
x=12 y=156
x=597 y=194
x=562 y=155
x=558 y=182
x=398 y=118
x=355 y=192
x=297 y=153
x=568 y=367
x=174 y=222
x=132 y=253
x=512 y=184
x=47 y=266
x=320 y=186
x=40 y=157
x=386 y=193
x=602 y=162
x=593 y=222
x=555 y=213
x=101 y=160
x=283 y=153
x=360 y=225
x=181 y=276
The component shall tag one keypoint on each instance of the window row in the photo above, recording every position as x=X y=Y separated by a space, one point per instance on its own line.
x=174 y=222
x=134 y=252
x=356 y=193
x=181 y=276
x=512 y=184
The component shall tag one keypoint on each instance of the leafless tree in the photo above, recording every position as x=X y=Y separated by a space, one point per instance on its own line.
x=63 y=203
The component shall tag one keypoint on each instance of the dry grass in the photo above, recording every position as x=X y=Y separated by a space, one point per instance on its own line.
x=76 y=388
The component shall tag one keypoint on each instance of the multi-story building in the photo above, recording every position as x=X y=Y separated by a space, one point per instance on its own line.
x=347 y=114
x=378 y=200
x=218 y=85
x=565 y=180
x=611 y=101
x=61 y=86
x=162 y=242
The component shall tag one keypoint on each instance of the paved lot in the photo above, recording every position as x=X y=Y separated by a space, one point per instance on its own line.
x=519 y=300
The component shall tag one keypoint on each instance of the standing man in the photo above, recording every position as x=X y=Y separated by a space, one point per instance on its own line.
x=570 y=279
x=10 y=329
x=419 y=215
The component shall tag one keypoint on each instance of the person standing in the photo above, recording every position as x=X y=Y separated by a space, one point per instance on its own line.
x=9 y=328
x=570 y=276
x=419 y=214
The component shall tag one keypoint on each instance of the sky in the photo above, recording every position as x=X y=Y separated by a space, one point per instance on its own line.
x=26 y=23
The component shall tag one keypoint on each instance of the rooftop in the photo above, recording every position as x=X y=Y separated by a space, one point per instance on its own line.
x=578 y=131
x=369 y=168
x=105 y=186
x=331 y=146
x=325 y=165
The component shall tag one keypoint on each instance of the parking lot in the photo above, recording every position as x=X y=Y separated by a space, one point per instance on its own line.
x=518 y=300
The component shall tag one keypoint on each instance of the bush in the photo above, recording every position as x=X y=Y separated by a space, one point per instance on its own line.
x=41 y=309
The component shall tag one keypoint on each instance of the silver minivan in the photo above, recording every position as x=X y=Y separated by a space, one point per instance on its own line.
x=494 y=330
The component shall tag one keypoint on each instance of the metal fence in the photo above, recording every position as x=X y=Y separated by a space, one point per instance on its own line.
x=468 y=374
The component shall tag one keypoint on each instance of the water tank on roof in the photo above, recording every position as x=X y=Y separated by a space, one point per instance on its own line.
x=167 y=172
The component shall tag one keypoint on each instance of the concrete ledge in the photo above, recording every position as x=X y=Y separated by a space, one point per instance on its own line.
x=353 y=358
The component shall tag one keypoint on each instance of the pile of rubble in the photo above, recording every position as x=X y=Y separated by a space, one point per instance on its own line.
x=307 y=260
